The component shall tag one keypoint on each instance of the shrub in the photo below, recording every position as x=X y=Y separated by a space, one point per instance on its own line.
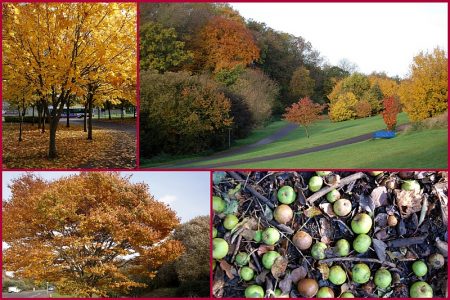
x=182 y=114
x=259 y=93
x=242 y=117
x=363 y=109
x=344 y=108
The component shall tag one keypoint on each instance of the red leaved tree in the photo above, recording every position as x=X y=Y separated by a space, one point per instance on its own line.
x=304 y=113
x=391 y=109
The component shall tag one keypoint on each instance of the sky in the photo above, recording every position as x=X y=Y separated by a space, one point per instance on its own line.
x=375 y=36
x=187 y=193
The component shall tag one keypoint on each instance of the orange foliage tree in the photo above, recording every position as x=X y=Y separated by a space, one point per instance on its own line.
x=304 y=113
x=391 y=109
x=227 y=43
x=83 y=232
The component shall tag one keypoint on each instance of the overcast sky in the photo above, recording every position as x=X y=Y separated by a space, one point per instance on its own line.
x=375 y=36
x=187 y=193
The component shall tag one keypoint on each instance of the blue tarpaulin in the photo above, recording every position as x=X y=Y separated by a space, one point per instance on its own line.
x=384 y=134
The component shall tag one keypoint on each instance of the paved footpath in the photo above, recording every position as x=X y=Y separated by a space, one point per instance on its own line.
x=349 y=141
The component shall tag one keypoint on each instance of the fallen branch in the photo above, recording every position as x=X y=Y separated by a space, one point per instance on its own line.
x=357 y=259
x=344 y=181
x=266 y=201
x=407 y=241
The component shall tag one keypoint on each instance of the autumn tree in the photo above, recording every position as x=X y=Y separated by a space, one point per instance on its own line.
x=81 y=231
x=390 y=112
x=344 y=108
x=302 y=85
x=225 y=44
x=67 y=48
x=304 y=113
x=425 y=93
x=160 y=48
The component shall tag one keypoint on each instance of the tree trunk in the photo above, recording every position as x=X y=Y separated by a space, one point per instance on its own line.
x=52 y=146
x=134 y=112
x=109 y=110
x=68 y=113
x=54 y=120
x=307 y=133
x=122 y=115
x=84 y=117
x=39 y=109
x=98 y=112
x=20 y=124
x=90 y=100
x=44 y=116
x=32 y=119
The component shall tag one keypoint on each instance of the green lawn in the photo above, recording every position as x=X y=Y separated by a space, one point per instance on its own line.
x=322 y=132
x=414 y=150
x=255 y=136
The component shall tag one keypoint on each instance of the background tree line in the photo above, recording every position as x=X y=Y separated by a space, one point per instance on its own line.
x=207 y=72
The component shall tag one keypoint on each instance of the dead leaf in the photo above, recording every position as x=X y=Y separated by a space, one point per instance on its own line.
x=408 y=202
x=268 y=213
x=325 y=231
x=327 y=208
x=298 y=273
x=380 y=249
x=279 y=267
x=442 y=247
x=423 y=211
x=379 y=196
x=381 y=220
x=218 y=283
x=324 y=270
x=312 y=212
x=344 y=287
x=285 y=285
x=366 y=204
x=261 y=278
x=229 y=269
x=248 y=234
x=264 y=248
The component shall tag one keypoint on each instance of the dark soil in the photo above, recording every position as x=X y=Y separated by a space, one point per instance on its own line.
x=398 y=256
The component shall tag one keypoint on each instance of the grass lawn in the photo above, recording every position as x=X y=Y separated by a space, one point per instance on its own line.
x=417 y=149
x=255 y=136
x=322 y=132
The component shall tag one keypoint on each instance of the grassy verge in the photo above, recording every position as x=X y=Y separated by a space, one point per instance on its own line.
x=255 y=136
x=416 y=149
x=322 y=132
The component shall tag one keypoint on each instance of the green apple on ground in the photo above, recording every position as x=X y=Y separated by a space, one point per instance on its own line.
x=220 y=248
x=269 y=258
x=218 y=204
x=246 y=273
x=362 y=243
x=342 y=207
x=421 y=289
x=286 y=194
x=419 y=268
x=347 y=295
x=242 y=259
x=360 y=273
x=323 y=173
x=436 y=260
x=270 y=236
x=383 y=278
x=361 y=223
x=411 y=185
x=318 y=250
x=230 y=221
x=337 y=275
x=315 y=183
x=258 y=236
x=342 y=247
x=333 y=196
x=325 y=292
x=214 y=233
x=254 y=291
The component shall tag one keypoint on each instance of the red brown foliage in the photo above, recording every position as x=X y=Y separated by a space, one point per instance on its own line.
x=391 y=109
x=304 y=113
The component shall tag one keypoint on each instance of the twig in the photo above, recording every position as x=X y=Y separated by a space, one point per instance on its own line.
x=238 y=244
x=407 y=241
x=255 y=259
x=322 y=192
x=267 y=175
x=345 y=225
x=251 y=190
x=370 y=260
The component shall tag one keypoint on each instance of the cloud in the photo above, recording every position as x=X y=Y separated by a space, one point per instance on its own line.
x=168 y=199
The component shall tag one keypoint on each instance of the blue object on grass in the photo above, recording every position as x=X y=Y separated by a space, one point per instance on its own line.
x=384 y=134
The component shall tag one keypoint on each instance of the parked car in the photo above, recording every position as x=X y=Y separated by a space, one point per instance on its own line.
x=14 y=289
x=51 y=288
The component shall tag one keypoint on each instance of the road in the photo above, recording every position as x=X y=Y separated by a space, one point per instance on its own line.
x=27 y=294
